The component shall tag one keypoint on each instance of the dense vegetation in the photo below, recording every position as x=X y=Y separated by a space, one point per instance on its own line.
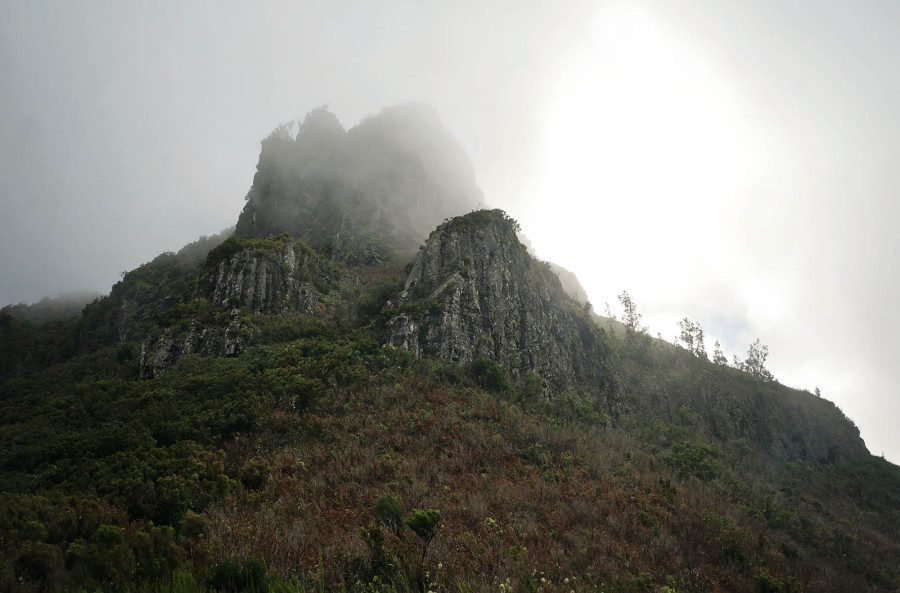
x=320 y=460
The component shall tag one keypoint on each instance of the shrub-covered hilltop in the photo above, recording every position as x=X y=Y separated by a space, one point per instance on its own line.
x=317 y=408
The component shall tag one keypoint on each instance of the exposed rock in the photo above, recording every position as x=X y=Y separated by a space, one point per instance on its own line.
x=787 y=424
x=365 y=196
x=275 y=277
x=280 y=276
x=165 y=348
x=133 y=307
x=474 y=291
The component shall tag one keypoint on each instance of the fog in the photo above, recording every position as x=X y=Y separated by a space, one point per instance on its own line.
x=733 y=162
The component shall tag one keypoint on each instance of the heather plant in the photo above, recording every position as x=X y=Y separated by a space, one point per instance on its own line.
x=390 y=513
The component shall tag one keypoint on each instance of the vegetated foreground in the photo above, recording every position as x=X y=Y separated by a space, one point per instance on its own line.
x=319 y=459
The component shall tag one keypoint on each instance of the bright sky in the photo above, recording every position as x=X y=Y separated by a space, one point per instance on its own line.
x=731 y=161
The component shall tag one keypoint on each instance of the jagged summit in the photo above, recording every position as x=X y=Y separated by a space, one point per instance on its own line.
x=475 y=292
x=362 y=196
x=319 y=124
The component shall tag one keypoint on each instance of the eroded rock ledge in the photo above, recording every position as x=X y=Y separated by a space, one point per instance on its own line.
x=474 y=291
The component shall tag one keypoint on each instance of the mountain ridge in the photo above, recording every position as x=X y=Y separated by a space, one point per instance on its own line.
x=362 y=196
x=313 y=404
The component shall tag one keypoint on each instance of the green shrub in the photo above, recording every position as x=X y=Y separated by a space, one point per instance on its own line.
x=532 y=386
x=194 y=526
x=425 y=524
x=254 y=474
x=489 y=375
x=389 y=512
x=40 y=562
x=253 y=576
x=230 y=577
x=225 y=577
x=692 y=458
x=766 y=583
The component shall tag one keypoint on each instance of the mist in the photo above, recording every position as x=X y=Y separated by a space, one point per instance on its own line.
x=730 y=162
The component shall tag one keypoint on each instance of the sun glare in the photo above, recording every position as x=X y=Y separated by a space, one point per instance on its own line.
x=640 y=132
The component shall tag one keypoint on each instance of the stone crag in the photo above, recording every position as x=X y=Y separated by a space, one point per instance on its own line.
x=475 y=292
x=362 y=196
x=280 y=276
x=166 y=347
x=369 y=195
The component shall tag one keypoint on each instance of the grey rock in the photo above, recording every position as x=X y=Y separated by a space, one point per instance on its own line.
x=291 y=279
x=165 y=348
x=280 y=276
x=363 y=196
x=474 y=291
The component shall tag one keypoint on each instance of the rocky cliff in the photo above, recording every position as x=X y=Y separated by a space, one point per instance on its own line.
x=474 y=292
x=279 y=276
x=166 y=346
x=361 y=196
x=787 y=424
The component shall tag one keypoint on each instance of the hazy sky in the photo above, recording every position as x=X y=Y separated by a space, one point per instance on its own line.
x=736 y=162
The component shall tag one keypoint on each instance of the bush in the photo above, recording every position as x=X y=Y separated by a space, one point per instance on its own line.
x=694 y=458
x=40 y=562
x=225 y=577
x=389 y=512
x=194 y=526
x=254 y=474
x=766 y=583
x=532 y=386
x=489 y=375
x=229 y=577
x=425 y=524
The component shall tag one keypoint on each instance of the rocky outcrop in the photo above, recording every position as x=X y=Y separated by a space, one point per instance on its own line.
x=135 y=304
x=474 y=291
x=165 y=348
x=570 y=283
x=786 y=424
x=363 y=196
x=280 y=276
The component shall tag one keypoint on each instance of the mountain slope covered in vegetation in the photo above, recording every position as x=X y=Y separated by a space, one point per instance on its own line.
x=312 y=405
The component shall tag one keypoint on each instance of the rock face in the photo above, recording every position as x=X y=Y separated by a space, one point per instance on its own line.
x=570 y=284
x=279 y=277
x=786 y=423
x=162 y=350
x=361 y=196
x=474 y=291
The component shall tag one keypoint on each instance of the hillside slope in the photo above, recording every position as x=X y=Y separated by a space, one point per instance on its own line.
x=281 y=412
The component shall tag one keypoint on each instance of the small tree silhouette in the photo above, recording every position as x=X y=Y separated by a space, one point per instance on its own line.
x=756 y=361
x=390 y=513
x=425 y=524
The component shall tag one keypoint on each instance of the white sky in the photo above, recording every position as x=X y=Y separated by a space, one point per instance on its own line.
x=731 y=161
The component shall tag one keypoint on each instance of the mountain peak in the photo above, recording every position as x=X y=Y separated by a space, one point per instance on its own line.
x=363 y=196
x=474 y=292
